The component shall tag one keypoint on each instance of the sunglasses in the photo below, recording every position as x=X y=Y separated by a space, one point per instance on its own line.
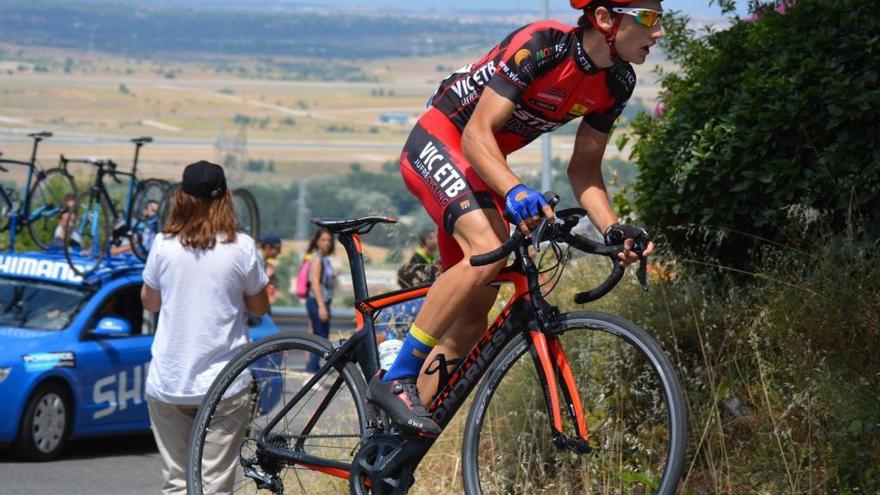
x=645 y=17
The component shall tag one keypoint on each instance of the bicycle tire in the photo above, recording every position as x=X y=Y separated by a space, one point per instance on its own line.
x=143 y=228
x=6 y=206
x=347 y=419
x=46 y=204
x=247 y=212
x=92 y=223
x=541 y=468
x=167 y=203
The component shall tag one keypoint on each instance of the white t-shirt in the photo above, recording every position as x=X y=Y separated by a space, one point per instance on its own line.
x=203 y=318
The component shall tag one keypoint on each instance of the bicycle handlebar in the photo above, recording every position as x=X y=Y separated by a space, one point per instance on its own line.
x=560 y=230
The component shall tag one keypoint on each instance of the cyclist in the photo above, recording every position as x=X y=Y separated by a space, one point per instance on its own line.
x=538 y=78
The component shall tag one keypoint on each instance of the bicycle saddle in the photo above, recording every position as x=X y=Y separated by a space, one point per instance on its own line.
x=351 y=225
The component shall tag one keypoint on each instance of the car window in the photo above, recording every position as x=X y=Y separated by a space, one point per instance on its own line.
x=38 y=306
x=126 y=303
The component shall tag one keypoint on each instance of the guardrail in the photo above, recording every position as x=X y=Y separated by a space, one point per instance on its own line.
x=296 y=318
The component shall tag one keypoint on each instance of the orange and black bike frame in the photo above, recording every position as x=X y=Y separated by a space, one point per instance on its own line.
x=521 y=315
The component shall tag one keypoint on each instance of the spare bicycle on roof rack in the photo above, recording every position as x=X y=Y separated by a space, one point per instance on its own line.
x=40 y=203
x=94 y=226
x=585 y=401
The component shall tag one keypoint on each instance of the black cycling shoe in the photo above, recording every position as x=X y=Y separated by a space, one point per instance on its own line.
x=400 y=401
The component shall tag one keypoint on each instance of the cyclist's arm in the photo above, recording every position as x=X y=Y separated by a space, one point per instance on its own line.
x=588 y=186
x=479 y=145
x=585 y=175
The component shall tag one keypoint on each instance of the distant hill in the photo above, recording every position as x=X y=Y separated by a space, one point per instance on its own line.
x=150 y=29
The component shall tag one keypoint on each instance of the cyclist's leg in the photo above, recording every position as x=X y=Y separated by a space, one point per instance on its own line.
x=465 y=325
x=436 y=171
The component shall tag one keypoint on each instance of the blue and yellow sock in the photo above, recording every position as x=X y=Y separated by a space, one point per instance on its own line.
x=415 y=349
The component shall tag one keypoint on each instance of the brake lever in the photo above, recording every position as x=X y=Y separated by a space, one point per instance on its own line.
x=538 y=234
x=642 y=272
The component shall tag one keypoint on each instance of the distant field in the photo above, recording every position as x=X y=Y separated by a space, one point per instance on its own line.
x=94 y=102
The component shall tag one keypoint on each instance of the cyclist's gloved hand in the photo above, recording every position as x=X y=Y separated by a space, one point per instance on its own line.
x=522 y=202
x=616 y=233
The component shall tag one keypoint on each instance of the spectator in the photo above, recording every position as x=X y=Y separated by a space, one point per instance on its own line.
x=270 y=248
x=203 y=278
x=67 y=219
x=421 y=268
x=143 y=227
x=320 y=293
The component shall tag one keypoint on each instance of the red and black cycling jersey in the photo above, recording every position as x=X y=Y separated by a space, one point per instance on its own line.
x=544 y=69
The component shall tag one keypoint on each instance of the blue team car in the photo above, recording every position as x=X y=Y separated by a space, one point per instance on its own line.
x=74 y=353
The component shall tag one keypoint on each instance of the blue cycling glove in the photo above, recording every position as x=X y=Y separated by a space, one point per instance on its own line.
x=522 y=202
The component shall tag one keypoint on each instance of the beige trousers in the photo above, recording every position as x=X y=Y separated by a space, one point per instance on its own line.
x=172 y=424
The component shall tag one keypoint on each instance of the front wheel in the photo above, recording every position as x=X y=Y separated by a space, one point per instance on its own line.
x=45 y=424
x=328 y=422
x=631 y=399
x=51 y=196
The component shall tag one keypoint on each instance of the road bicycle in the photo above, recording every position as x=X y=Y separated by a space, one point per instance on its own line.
x=579 y=402
x=97 y=227
x=40 y=207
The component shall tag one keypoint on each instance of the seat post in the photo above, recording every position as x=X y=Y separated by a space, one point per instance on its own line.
x=367 y=354
x=352 y=244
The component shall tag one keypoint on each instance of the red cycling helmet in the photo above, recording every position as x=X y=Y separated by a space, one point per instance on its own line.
x=591 y=16
x=582 y=4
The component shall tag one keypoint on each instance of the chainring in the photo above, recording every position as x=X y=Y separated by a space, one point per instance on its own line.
x=372 y=453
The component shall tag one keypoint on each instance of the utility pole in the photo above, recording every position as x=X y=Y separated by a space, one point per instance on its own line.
x=302 y=213
x=545 y=138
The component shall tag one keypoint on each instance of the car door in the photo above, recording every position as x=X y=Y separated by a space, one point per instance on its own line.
x=114 y=369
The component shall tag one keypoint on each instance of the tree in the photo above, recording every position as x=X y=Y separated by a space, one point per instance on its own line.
x=774 y=116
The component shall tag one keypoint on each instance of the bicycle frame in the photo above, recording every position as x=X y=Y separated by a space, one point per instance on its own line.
x=32 y=166
x=514 y=319
x=21 y=212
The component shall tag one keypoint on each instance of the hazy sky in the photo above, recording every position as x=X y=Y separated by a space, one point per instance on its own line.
x=691 y=7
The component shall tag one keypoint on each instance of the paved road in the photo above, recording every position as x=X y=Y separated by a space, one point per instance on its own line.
x=123 y=465
x=112 y=465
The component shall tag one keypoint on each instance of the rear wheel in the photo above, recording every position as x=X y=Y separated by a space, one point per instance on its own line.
x=87 y=234
x=45 y=424
x=47 y=202
x=631 y=400
x=167 y=203
x=145 y=218
x=328 y=422
x=247 y=212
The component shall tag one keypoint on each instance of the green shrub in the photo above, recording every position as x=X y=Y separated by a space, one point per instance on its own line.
x=762 y=121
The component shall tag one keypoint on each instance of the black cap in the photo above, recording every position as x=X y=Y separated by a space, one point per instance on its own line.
x=271 y=240
x=204 y=180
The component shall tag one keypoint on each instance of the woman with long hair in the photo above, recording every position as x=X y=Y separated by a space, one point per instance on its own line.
x=203 y=277
x=320 y=293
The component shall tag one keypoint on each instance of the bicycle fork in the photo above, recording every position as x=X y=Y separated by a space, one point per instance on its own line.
x=554 y=372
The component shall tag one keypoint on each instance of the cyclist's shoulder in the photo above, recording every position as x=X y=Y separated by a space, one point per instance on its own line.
x=621 y=80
